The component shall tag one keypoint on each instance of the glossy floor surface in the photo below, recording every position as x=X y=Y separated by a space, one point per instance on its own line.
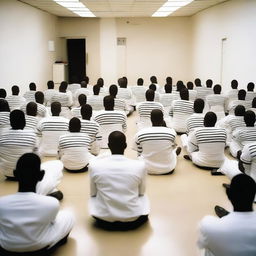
x=178 y=202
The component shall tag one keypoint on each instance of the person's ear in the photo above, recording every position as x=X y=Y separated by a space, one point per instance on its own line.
x=41 y=175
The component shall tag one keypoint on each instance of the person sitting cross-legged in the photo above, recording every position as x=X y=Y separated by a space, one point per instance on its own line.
x=118 y=200
x=74 y=148
x=31 y=224
x=206 y=145
x=234 y=234
x=156 y=145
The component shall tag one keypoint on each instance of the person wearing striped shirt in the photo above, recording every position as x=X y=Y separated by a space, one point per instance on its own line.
x=243 y=135
x=250 y=92
x=65 y=99
x=4 y=115
x=139 y=91
x=15 y=142
x=103 y=90
x=153 y=80
x=83 y=90
x=50 y=129
x=91 y=128
x=253 y=106
x=203 y=91
x=239 y=101
x=145 y=108
x=74 y=148
x=120 y=104
x=49 y=93
x=110 y=120
x=232 y=94
x=216 y=102
x=15 y=100
x=30 y=95
x=117 y=188
x=42 y=111
x=31 y=118
x=195 y=121
x=31 y=223
x=95 y=100
x=76 y=111
x=232 y=122
x=206 y=145
x=192 y=93
x=180 y=111
x=156 y=146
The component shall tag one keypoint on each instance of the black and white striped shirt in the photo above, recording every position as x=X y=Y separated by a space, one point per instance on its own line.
x=96 y=102
x=92 y=128
x=145 y=108
x=4 y=119
x=166 y=99
x=202 y=92
x=15 y=101
x=31 y=123
x=196 y=120
x=30 y=96
x=244 y=135
x=63 y=98
x=48 y=96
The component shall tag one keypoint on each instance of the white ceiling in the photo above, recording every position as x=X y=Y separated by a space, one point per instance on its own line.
x=122 y=8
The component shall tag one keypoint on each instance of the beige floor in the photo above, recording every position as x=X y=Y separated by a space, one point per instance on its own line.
x=178 y=202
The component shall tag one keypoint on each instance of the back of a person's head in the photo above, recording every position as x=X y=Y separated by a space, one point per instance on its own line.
x=3 y=93
x=168 y=88
x=249 y=118
x=250 y=87
x=96 y=89
x=121 y=82
x=32 y=87
x=82 y=99
x=217 y=89
x=15 y=90
x=153 y=79
x=28 y=168
x=184 y=94
x=31 y=109
x=168 y=80
x=180 y=85
x=17 y=119
x=55 y=108
x=242 y=192
x=109 y=102
x=239 y=110
x=150 y=95
x=117 y=142
x=4 y=106
x=50 y=84
x=190 y=85
x=74 y=124
x=125 y=81
x=152 y=87
x=86 y=111
x=100 y=82
x=234 y=84
x=197 y=82
x=86 y=79
x=241 y=94
x=254 y=102
x=157 y=117
x=140 y=81
x=210 y=119
x=199 y=105
x=83 y=84
x=63 y=86
x=209 y=83
x=39 y=97
x=113 y=90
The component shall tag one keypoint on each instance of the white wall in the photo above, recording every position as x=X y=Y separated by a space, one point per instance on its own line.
x=236 y=21
x=24 y=35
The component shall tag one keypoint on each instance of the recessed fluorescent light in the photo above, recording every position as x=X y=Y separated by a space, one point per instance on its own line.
x=66 y=1
x=78 y=9
x=169 y=7
x=70 y=4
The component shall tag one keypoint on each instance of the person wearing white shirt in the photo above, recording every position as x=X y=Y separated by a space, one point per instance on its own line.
x=82 y=90
x=240 y=100
x=76 y=111
x=4 y=115
x=103 y=90
x=95 y=100
x=203 y=91
x=91 y=128
x=15 y=100
x=243 y=135
x=3 y=93
x=145 y=108
x=42 y=111
x=206 y=145
x=139 y=91
x=192 y=93
x=117 y=188
x=49 y=93
x=50 y=129
x=235 y=233
x=15 y=142
x=31 y=118
x=74 y=148
x=232 y=94
x=110 y=120
x=250 y=92
x=30 y=95
x=32 y=223
x=180 y=111
x=156 y=146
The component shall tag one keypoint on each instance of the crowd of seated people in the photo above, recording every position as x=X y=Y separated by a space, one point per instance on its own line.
x=83 y=127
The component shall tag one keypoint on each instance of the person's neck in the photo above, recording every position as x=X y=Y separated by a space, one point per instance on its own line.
x=27 y=188
x=243 y=209
x=157 y=124
x=250 y=125
x=55 y=114
x=109 y=109
x=117 y=152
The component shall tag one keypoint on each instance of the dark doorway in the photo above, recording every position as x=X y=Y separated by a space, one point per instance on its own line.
x=76 y=60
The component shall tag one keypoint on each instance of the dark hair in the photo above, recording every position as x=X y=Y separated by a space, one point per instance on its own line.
x=100 y=82
x=209 y=83
x=250 y=87
x=2 y=93
x=152 y=87
x=113 y=89
x=96 y=89
x=239 y=110
x=32 y=87
x=184 y=94
x=50 y=84
x=15 y=90
x=153 y=79
x=109 y=102
x=63 y=86
x=234 y=84
x=210 y=119
x=190 y=85
x=74 y=125
x=4 y=106
x=249 y=118
x=31 y=109
x=17 y=119
x=168 y=80
x=157 y=116
x=217 y=89
x=241 y=94
x=82 y=99
x=140 y=81
x=198 y=82
x=86 y=111
x=150 y=95
x=198 y=105
x=168 y=88
x=39 y=97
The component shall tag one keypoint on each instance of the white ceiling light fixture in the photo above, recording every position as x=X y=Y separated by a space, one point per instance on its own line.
x=76 y=7
x=169 y=7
